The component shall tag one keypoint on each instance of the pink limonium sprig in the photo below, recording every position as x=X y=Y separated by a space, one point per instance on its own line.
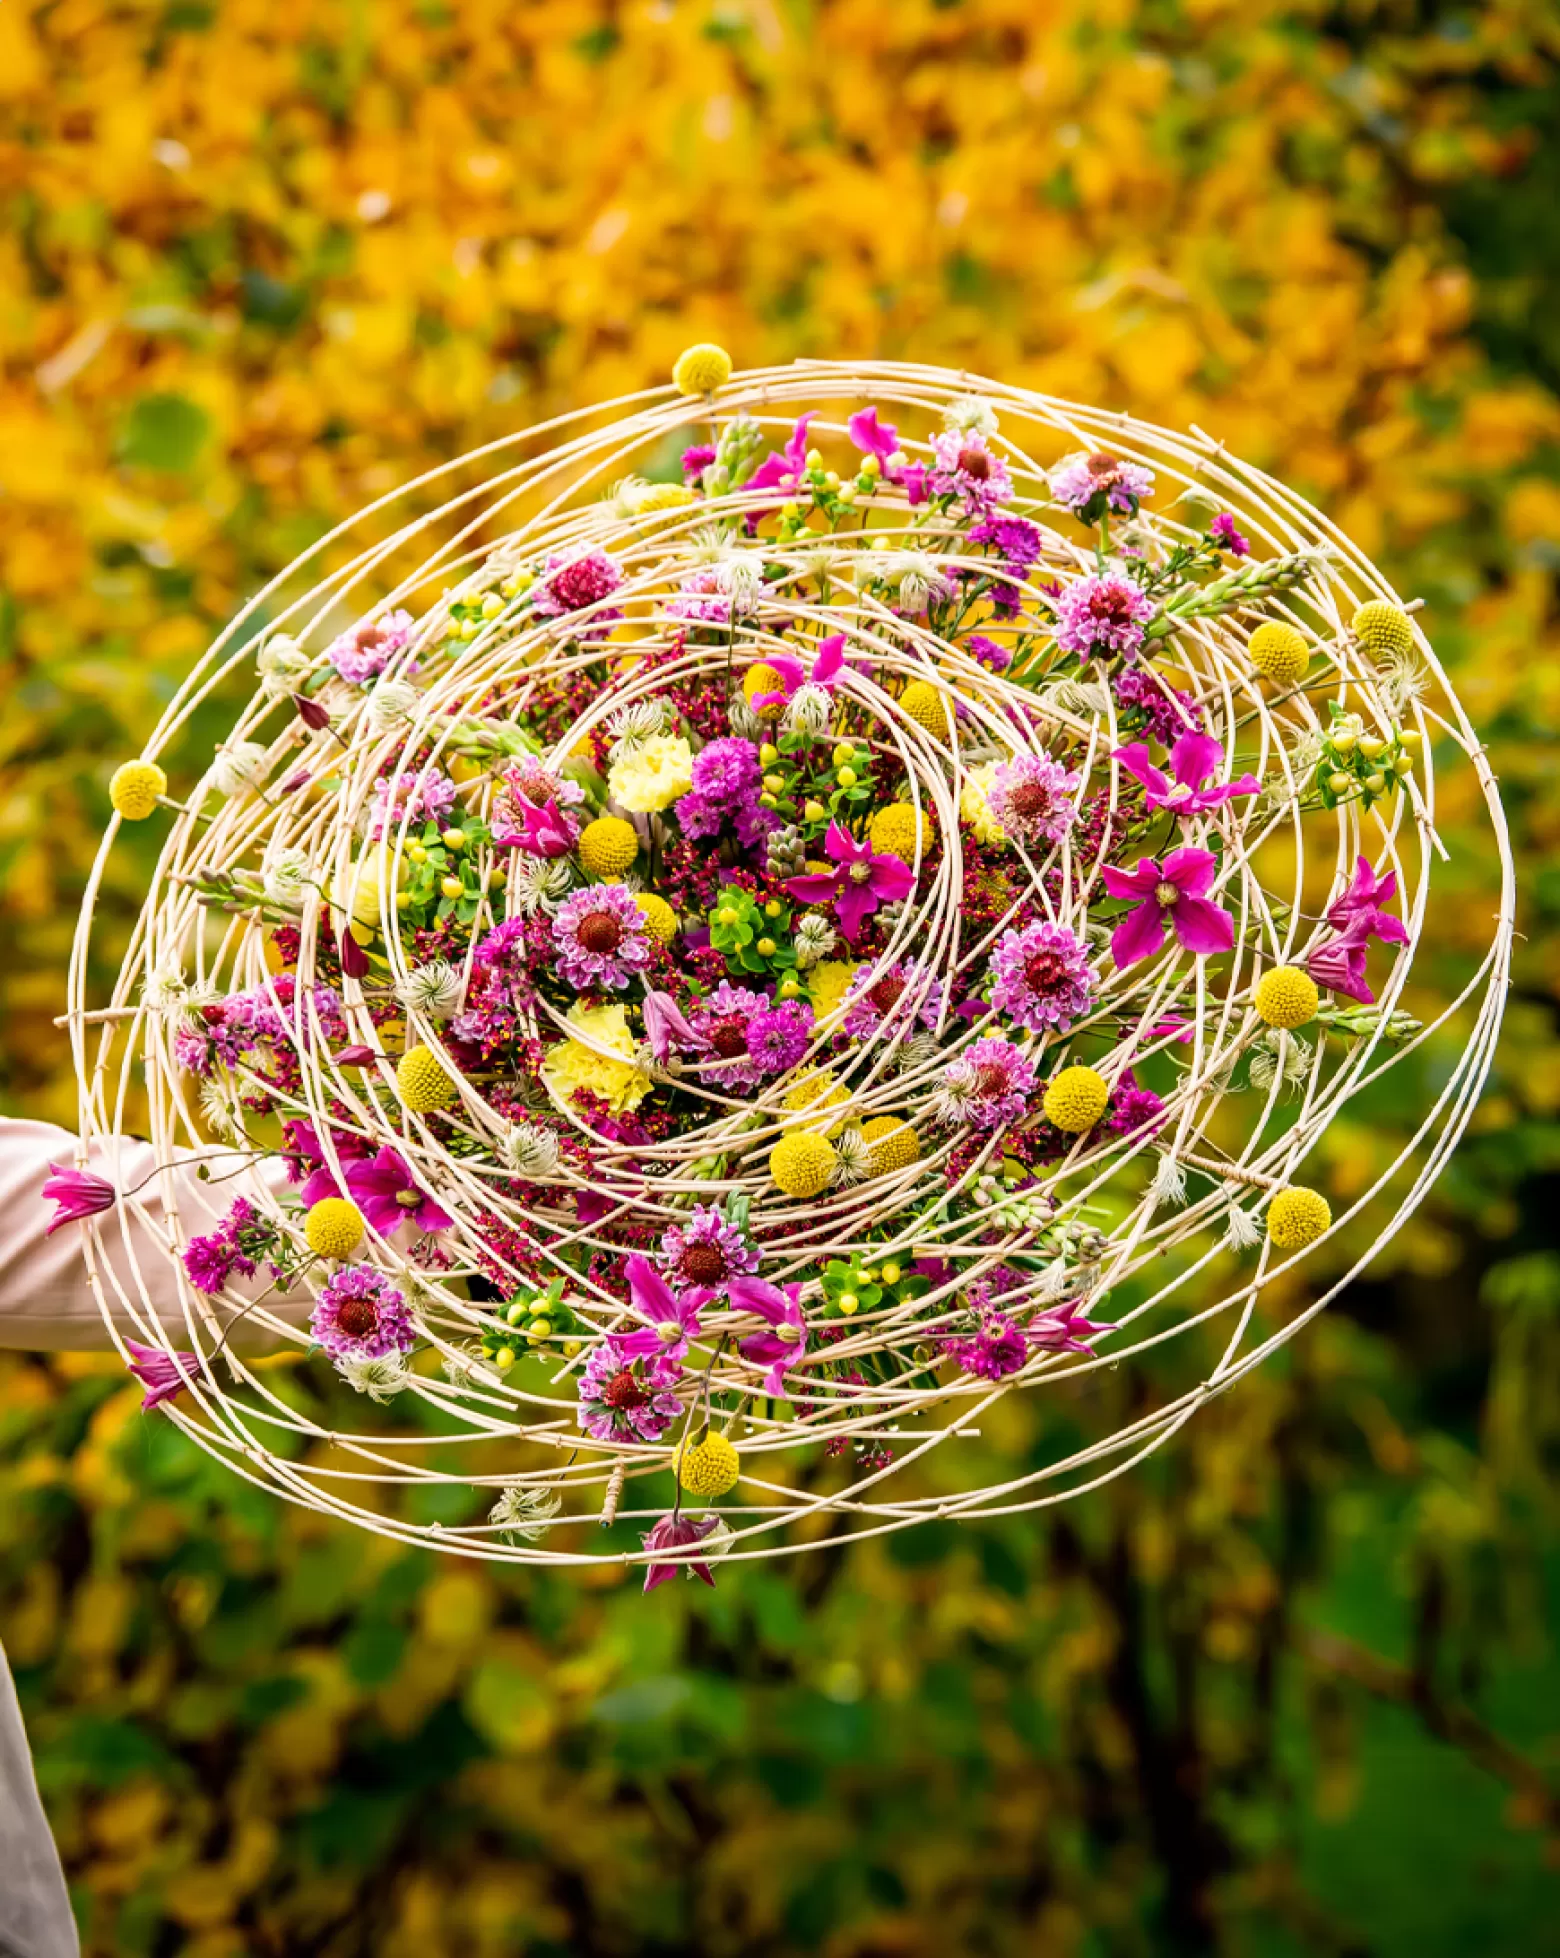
x=1194 y=759
x=1171 y=896
x=862 y=881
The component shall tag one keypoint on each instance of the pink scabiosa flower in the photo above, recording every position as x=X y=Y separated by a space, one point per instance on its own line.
x=707 y=1252
x=781 y=1346
x=159 y=1373
x=626 y=1396
x=875 y=1001
x=602 y=938
x=1170 y=897
x=428 y=797
x=362 y=653
x=862 y=881
x=361 y=1316
x=987 y=1087
x=1031 y=797
x=1041 y=978
x=1193 y=759
x=966 y=466
x=384 y=1189
x=1222 y=532
x=1100 y=616
x=570 y=584
x=77 y=1193
x=670 y=1318
x=1089 y=485
x=778 y=1036
x=721 y=1026
x=677 y=1532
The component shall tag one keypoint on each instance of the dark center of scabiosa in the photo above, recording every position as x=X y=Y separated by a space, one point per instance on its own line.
x=357 y=1318
x=729 y=1037
x=702 y=1264
x=975 y=462
x=1045 y=972
x=625 y=1390
x=601 y=932
x=1102 y=464
x=1031 y=799
x=887 y=993
x=990 y=1080
x=369 y=637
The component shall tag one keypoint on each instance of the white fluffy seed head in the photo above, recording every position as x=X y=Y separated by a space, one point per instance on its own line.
x=525 y=1515
x=381 y=1379
x=286 y=879
x=434 y=990
x=530 y=1151
x=238 y=767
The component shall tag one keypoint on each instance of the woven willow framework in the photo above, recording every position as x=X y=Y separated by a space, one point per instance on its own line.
x=547 y=493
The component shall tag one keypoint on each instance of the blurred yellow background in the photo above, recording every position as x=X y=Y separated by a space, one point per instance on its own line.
x=1288 y=1693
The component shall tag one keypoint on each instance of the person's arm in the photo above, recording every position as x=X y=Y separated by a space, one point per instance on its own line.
x=46 y=1299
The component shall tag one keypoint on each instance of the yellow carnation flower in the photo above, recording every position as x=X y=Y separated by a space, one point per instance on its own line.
x=974 y=807
x=827 y=985
x=654 y=775
x=611 y=1073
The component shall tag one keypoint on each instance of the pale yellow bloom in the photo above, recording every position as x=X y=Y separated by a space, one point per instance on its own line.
x=827 y=985
x=611 y=1074
x=653 y=776
x=974 y=807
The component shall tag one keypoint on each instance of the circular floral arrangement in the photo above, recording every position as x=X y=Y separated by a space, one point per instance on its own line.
x=743 y=927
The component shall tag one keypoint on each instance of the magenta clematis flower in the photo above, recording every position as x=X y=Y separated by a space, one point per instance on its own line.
x=824 y=671
x=1222 y=530
x=1171 y=895
x=1363 y=900
x=872 y=437
x=666 y=1028
x=383 y=1188
x=544 y=831
x=670 y=1320
x=1193 y=759
x=1339 y=965
x=1066 y=1328
x=783 y=1345
x=78 y=1193
x=158 y=1373
x=862 y=882
x=676 y=1532
x=784 y=472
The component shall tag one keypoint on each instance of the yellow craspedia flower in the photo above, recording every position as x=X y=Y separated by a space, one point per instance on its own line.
x=1279 y=653
x=814 y=1094
x=1297 y=1217
x=423 y=1082
x=654 y=775
x=658 y=915
x=802 y=1164
x=333 y=1228
x=612 y=1074
x=895 y=831
x=762 y=678
x=891 y=1143
x=1286 y=997
x=975 y=810
x=608 y=846
x=1381 y=629
x=828 y=983
x=701 y=369
x=647 y=498
x=134 y=789
x=709 y=1467
x=1075 y=1100
x=927 y=707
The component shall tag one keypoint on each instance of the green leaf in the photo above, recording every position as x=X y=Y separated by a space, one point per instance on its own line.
x=164 y=431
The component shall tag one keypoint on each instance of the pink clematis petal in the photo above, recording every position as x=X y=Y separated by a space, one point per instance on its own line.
x=1140 y=933
x=1134 y=758
x=1142 y=881
x=1191 y=871
x=1202 y=927
x=1194 y=758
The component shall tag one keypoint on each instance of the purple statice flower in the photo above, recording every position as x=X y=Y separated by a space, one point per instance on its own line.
x=76 y=1193
x=706 y=1252
x=696 y=460
x=878 y=998
x=727 y=780
x=860 y=883
x=967 y=467
x=720 y=1024
x=1167 y=712
x=1031 y=797
x=1171 y=896
x=1089 y=485
x=159 y=1372
x=1041 y=978
x=676 y=1532
x=1065 y=1328
x=778 y=1036
x=987 y=1087
x=989 y=654
x=1222 y=532
x=1193 y=759
x=1097 y=617
x=427 y=796
x=569 y=584
x=1017 y=541
x=782 y=1345
x=625 y=1396
x=384 y=1189
x=669 y=1319
x=363 y=652
x=993 y=1351
x=234 y=1245
x=361 y=1316
x=602 y=938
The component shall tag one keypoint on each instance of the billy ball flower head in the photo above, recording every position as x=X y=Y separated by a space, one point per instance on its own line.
x=1041 y=977
x=1031 y=798
x=987 y=1087
x=134 y=789
x=701 y=369
x=1099 y=617
x=602 y=937
x=361 y=1315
